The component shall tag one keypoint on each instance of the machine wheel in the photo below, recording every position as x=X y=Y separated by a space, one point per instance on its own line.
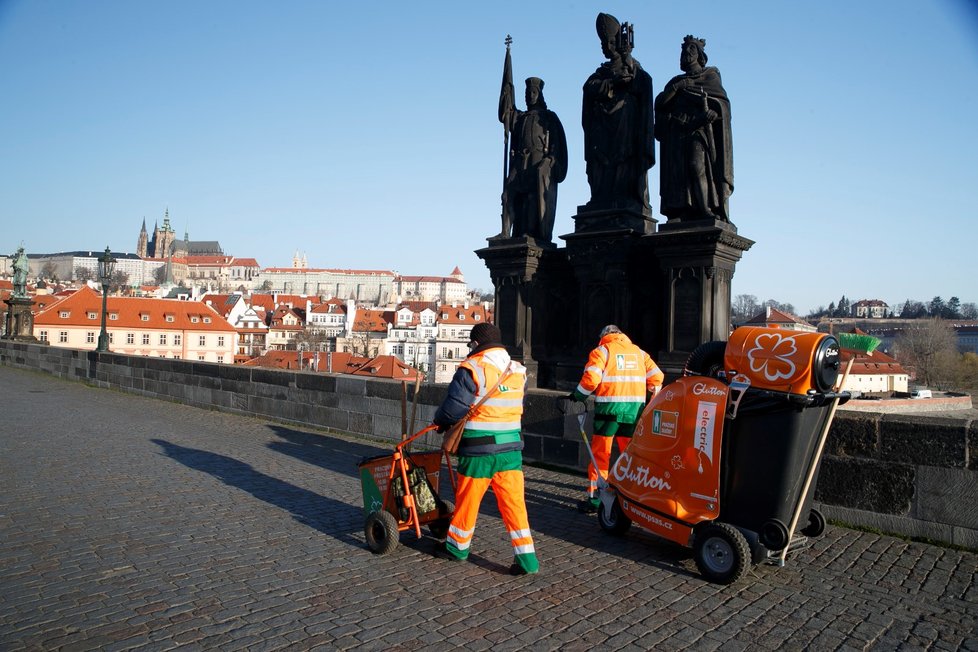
x=381 y=532
x=706 y=360
x=439 y=527
x=774 y=534
x=816 y=524
x=616 y=522
x=721 y=552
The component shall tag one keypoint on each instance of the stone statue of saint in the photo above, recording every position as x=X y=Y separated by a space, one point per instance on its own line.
x=693 y=127
x=21 y=268
x=618 y=121
x=537 y=163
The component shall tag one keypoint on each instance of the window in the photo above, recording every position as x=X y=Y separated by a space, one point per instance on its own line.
x=111 y=341
x=207 y=320
x=43 y=336
x=193 y=319
x=130 y=338
x=200 y=358
x=177 y=339
x=63 y=336
x=220 y=341
x=64 y=314
x=90 y=337
x=144 y=317
x=145 y=338
x=113 y=316
x=202 y=340
x=163 y=339
x=169 y=318
x=92 y=315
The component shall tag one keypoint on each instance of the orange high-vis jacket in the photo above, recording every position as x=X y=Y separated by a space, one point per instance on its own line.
x=619 y=374
x=494 y=426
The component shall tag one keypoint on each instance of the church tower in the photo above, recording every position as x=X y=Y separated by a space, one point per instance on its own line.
x=142 y=245
x=163 y=237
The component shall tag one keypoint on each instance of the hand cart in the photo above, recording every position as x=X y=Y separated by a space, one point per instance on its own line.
x=400 y=492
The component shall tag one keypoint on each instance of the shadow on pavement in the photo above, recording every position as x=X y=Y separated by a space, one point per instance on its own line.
x=311 y=509
x=321 y=450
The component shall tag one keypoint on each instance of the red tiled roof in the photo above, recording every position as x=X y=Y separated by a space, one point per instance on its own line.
x=373 y=321
x=130 y=311
x=245 y=262
x=387 y=366
x=462 y=315
x=209 y=260
x=775 y=316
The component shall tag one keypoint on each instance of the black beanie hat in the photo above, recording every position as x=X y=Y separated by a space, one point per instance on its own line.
x=486 y=334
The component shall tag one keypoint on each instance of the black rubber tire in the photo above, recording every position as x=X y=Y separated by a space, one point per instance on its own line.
x=616 y=522
x=773 y=534
x=721 y=552
x=706 y=360
x=439 y=527
x=381 y=533
x=816 y=524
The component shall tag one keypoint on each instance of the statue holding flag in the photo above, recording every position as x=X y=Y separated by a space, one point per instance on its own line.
x=535 y=161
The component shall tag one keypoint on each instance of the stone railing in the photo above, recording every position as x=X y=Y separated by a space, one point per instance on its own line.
x=910 y=475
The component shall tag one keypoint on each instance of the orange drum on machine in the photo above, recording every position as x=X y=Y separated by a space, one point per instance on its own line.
x=782 y=360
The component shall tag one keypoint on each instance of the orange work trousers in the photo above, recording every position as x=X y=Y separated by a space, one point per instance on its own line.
x=601 y=449
x=508 y=487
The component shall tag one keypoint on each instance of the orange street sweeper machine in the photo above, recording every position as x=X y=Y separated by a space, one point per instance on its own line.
x=724 y=459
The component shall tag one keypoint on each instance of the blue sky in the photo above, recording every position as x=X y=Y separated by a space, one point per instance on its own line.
x=365 y=135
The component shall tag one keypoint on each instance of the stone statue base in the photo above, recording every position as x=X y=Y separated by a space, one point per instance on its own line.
x=697 y=259
x=20 y=319
x=612 y=219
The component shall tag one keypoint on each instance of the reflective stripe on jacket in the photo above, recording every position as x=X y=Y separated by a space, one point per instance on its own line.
x=494 y=427
x=619 y=374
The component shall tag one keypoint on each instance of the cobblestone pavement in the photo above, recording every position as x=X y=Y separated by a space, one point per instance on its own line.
x=131 y=523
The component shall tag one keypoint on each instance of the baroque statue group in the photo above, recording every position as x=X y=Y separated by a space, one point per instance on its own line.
x=621 y=119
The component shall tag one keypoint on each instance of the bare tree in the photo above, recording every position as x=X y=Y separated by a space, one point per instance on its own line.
x=119 y=279
x=311 y=339
x=777 y=305
x=83 y=274
x=744 y=307
x=49 y=270
x=159 y=275
x=930 y=347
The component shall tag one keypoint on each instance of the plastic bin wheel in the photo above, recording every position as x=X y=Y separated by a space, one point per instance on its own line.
x=439 y=526
x=721 y=552
x=381 y=532
x=613 y=521
x=816 y=524
x=774 y=534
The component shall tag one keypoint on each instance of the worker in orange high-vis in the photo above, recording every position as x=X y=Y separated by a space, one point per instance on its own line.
x=622 y=378
x=490 y=451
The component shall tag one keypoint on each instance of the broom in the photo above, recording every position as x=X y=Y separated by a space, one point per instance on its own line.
x=854 y=344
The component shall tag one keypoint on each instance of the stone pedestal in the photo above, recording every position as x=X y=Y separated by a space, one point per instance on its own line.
x=518 y=268
x=697 y=260
x=20 y=319
x=611 y=220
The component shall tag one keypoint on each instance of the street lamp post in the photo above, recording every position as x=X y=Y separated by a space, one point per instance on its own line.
x=106 y=266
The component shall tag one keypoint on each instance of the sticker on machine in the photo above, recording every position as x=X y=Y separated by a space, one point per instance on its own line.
x=706 y=419
x=665 y=424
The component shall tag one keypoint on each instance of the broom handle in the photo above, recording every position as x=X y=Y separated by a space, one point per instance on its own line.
x=811 y=470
